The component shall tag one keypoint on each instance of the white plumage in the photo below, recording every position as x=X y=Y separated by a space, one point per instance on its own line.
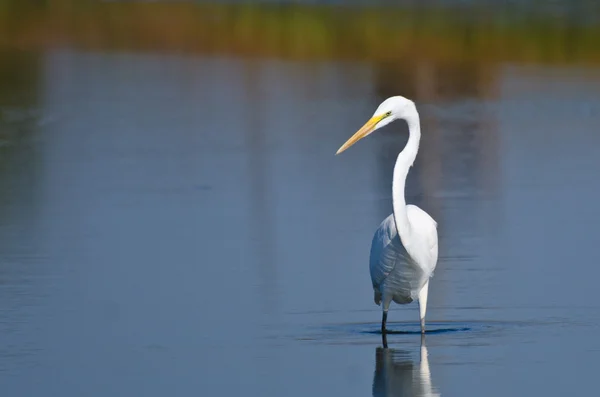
x=393 y=269
x=404 y=250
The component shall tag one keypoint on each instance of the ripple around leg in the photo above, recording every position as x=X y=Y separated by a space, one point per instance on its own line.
x=358 y=333
x=415 y=328
x=428 y=331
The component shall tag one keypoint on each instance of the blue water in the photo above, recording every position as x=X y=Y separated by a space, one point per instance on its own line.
x=176 y=225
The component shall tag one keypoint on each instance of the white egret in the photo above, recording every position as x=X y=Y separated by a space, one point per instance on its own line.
x=404 y=250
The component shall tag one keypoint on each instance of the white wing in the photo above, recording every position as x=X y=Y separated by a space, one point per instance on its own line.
x=424 y=248
x=386 y=249
x=400 y=270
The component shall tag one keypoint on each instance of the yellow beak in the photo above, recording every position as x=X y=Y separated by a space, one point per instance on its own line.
x=363 y=132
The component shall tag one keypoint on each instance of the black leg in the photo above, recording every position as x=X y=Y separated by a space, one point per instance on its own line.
x=383 y=329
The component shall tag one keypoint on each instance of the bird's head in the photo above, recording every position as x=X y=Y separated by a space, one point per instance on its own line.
x=393 y=108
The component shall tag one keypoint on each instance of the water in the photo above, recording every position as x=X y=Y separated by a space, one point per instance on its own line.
x=179 y=224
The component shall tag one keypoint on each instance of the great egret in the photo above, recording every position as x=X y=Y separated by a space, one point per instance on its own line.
x=404 y=250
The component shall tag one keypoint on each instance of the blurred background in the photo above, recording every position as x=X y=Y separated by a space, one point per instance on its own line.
x=173 y=219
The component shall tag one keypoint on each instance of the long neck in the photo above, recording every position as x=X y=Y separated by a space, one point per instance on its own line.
x=405 y=160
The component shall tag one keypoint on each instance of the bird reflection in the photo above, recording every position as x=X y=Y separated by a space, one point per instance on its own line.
x=397 y=374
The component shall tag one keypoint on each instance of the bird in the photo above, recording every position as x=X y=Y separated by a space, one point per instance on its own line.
x=404 y=249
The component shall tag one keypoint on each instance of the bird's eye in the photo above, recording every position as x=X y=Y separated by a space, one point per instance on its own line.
x=388 y=114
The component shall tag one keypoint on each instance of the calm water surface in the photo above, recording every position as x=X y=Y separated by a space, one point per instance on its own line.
x=174 y=225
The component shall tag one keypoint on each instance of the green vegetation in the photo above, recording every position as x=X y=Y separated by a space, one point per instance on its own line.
x=303 y=32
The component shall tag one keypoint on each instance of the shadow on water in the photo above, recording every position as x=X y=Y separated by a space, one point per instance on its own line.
x=397 y=373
